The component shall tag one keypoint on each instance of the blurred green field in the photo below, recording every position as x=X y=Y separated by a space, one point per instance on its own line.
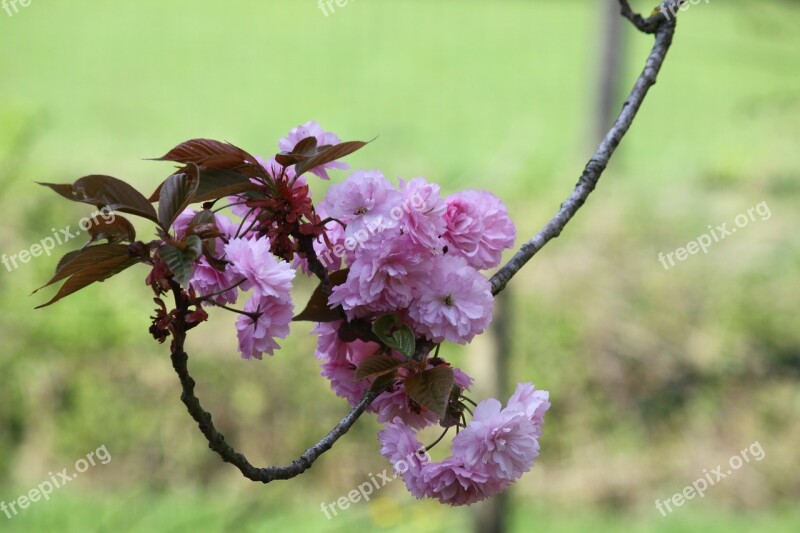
x=654 y=375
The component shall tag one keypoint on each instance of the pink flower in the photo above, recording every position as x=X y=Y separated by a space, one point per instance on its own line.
x=492 y=452
x=406 y=453
x=364 y=202
x=423 y=213
x=257 y=337
x=340 y=359
x=383 y=278
x=456 y=303
x=448 y=481
x=478 y=228
x=500 y=443
x=251 y=259
x=534 y=403
x=313 y=129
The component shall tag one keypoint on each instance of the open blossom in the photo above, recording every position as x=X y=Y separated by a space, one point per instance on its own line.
x=424 y=210
x=499 y=443
x=340 y=359
x=456 y=303
x=364 y=202
x=257 y=337
x=383 y=278
x=313 y=129
x=493 y=451
x=448 y=481
x=252 y=260
x=478 y=228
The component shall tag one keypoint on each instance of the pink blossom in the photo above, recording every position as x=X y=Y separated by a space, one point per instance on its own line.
x=406 y=453
x=478 y=228
x=448 y=481
x=456 y=303
x=383 y=278
x=500 y=443
x=251 y=259
x=493 y=451
x=313 y=129
x=340 y=359
x=257 y=337
x=423 y=213
x=364 y=202
x=534 y=403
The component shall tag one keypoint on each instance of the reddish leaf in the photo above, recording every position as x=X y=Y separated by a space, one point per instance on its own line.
x=332 y=153
x=208 y=153
x=105 y=191
x=317 y=309
x=117 y=229
x=381 y=383
x=303 y=150
x=176 y=194
x=431 y=388
x=87 y=276
x=215 y=183
x=377 y=365
x=84 y=259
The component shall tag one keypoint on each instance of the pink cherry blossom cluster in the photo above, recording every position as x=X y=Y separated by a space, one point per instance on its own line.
x=408 y=252
x=492 y=452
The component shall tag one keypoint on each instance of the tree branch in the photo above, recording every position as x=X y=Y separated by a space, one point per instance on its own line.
x=216 y=441
x=664 y=30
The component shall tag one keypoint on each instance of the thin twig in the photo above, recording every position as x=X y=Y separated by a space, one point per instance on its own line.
x=664 y=32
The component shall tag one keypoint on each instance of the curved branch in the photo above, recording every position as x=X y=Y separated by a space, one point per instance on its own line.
x=216 y=441
x=664 y=30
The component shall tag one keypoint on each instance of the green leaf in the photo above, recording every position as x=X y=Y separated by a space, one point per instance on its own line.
x=431 y=388
x=317 y=308
x=181 y=262
x=395 y=334
x=105 y=191
x=176 y=195
x=377 y=365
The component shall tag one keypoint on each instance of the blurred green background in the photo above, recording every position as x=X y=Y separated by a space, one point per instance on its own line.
x=654 y=374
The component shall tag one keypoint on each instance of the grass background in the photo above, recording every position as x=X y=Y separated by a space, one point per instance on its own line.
x=655 y=375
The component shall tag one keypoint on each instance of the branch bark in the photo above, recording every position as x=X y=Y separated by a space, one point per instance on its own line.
x=216 y=441
x=664 y=29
